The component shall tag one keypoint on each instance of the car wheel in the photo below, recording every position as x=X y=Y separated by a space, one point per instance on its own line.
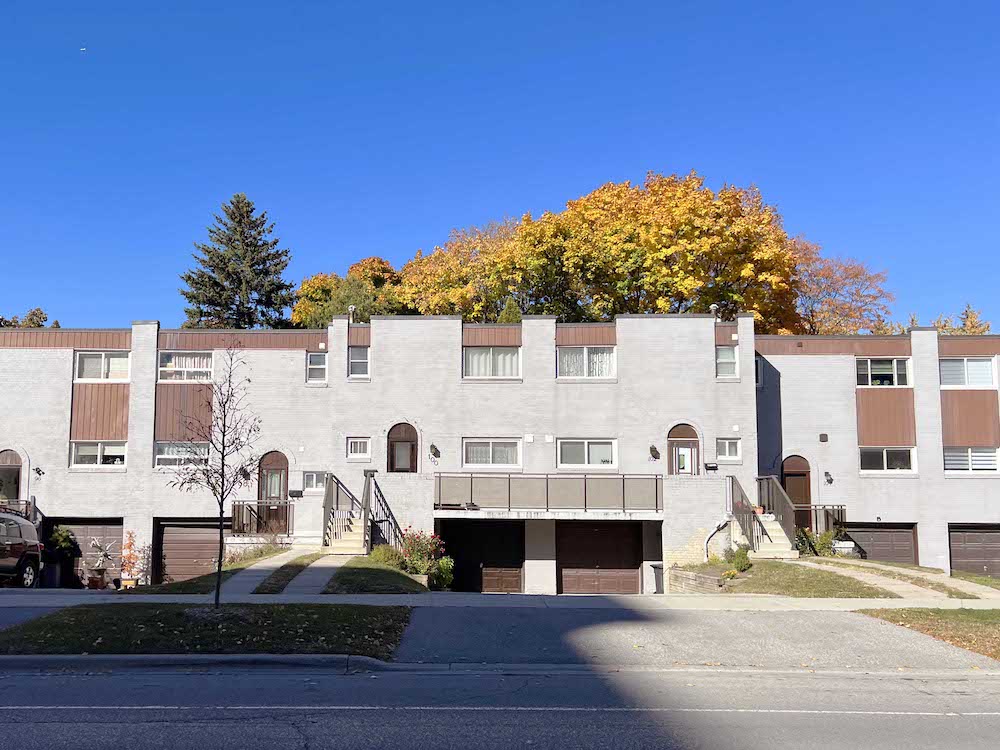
x=28 y=576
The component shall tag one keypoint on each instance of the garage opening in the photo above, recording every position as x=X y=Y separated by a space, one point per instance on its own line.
x=184 y=548
x=975 y=549
x=886 y=542
x=489 y=555
x=599 y=558
x=108 y=533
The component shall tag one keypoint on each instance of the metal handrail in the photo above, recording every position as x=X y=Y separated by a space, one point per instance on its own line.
x=776 y=502
x=473 y=476
x=382 y=518
x=338 y=519
x=746 y=515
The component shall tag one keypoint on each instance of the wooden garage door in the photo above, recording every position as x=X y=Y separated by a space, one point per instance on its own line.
x=599 y=558
x=886 y=542
x=107 y=530
x=186 y=551
x=975 y=549
x=488 y=555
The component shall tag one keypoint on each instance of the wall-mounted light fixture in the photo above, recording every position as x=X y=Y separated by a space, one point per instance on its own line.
x=654 y=453
x=434 y=451
x=39 y=472
x=828 y=476
x=711 y=467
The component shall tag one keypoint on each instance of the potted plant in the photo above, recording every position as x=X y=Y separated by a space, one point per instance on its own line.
x=61 y=549
x=130 y=562
x=97 y=571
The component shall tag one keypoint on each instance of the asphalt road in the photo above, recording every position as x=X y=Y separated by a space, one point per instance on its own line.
x=693 y=708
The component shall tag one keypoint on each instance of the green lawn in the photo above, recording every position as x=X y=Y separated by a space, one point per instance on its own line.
x=771 y=577
x=900 y=575
x=201 y=629
x=973 y=578
x=973 y=629
x=206 y=584
x=360 y=575
x=276 y=582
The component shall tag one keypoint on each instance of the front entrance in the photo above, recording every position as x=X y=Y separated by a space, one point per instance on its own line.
x=796 y=478
x=272 y=512
x=682 y=450
x=599 y=558
x=401 y=445
x=10 y=476
x=488 y=555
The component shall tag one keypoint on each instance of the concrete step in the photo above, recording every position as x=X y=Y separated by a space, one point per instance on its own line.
x=344 y=548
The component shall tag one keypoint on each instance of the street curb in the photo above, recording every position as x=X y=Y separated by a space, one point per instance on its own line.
x=79 y=662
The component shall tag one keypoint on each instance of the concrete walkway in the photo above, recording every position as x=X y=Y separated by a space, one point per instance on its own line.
x=312 y=580
x=901 y=589
x=968 y=587
x=246 y=580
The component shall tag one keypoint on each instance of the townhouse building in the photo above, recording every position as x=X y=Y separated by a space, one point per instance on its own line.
x=550 y=457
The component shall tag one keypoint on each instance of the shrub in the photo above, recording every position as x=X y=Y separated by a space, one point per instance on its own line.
x=808 y=543
x=386 y=554
x=443 y=573
x=729 y=575
x=420 y=550
x=739 y=558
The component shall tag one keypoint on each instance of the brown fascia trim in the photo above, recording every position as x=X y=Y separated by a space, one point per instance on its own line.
x=415 y=317
x=859 y=345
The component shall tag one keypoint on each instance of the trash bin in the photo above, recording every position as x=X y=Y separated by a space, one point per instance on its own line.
x=658 y=577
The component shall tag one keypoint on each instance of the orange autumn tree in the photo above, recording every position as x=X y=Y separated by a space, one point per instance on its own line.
x=371 y=286
x=837 y=296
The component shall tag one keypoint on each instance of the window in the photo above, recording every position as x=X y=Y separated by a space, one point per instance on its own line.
x=359 y=448
x=186 y=366
x=585 y=362
x=97 y=454
x=102 y=366
x=725 y=362
x=491 y=362
x=758 y=366
x=727 y=449
x=313 y=480
x=883 y=372
x=316 y=367
x=588 y=453
x=181 y=454
x=970 y=459
x=500 y=454
x=886 y=459
x=972 y=372
x=357 y=362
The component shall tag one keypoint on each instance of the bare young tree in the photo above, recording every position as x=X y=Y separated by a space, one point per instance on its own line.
x=218 y=455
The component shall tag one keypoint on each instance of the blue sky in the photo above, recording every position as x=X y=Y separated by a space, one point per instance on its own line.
x=371 y=129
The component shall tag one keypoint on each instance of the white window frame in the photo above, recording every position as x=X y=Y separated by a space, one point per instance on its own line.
x=736 y=362
x=324 y=366
x=895 y=372
x=586 y=452
x=492 y=466
x=100 y=454
x=360 y=457
x=884 y=471
x=322 y=476
x=191 y=462
x=586 y=362
x=104 y=355
x=727 y=459
x=970 y=471
x=492 y=377
x=367 y=360
x=160 y=368
x=965 y=365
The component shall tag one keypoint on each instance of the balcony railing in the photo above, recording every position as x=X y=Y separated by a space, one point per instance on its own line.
x=820 y=518
x=262 y=519
x=548 y=492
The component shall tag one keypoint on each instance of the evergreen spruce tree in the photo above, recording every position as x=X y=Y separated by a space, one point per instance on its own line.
x=238 y=283
x=511 y=313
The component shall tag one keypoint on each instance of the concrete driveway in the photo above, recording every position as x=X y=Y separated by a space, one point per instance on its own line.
x=670 y=638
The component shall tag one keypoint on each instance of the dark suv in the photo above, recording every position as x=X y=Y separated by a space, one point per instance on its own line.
x=20 y=550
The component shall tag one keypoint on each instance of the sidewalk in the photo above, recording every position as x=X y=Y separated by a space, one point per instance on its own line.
x=312 y=580
x=246 y=580
x=901 y=589
x=968 y=587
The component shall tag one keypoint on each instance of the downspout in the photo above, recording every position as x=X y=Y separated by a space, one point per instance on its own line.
x=719 y=527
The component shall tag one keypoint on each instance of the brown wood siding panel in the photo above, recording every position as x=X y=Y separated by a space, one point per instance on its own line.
x=359 y=336
x=724 y=333
x=968 y=345
x=491 y=335
x=208 y=340
x=886 y=417
x=99 y=411
x=865 y=346
x=586 y=334
x=970 y=419
x=175 y=403
x=47 y=338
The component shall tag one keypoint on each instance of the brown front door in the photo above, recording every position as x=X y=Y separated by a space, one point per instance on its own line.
x=797 y=481
x=599 y=558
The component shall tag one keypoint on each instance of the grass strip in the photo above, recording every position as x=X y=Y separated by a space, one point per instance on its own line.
x=972 y=629
x=361 y=575
x=993 y=583
x=276 y=582
x=923 y=583
x=205 y=584
x=788 y=579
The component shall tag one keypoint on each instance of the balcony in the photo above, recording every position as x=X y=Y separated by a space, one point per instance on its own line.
x=263 y=519
x=529 y=495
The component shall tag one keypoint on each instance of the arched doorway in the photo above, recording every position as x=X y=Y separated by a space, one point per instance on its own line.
x=10 y=476
x=272 y=494
x=797 y=481
x=402 y=448
x=683 y=457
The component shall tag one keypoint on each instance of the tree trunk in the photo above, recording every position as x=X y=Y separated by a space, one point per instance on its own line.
x=218 y=564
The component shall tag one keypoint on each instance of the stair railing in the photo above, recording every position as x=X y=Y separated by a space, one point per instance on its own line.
x=746 y=516
x=340 y=508
x=776 y=501
x=380 y=523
